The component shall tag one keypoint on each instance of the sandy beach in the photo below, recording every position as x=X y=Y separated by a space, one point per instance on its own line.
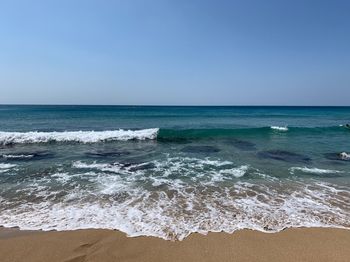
x=305 y=244
x=174 y=131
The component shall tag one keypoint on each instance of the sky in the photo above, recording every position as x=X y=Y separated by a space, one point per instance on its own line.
x=179 y=52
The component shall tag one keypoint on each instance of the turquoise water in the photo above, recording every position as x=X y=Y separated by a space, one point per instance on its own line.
x=171 y=171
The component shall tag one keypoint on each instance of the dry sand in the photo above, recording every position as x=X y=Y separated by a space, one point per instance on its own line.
x=313 y=244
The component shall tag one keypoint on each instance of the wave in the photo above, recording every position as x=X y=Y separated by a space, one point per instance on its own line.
x=6 y=166
x=171 y=197
x=314 y=170
x=21 y=156
x=162 y=135
x=183 y=135
x=279 y=128
x=76 y=136
x=344 y=156
x=206 y=170
x=172 y=209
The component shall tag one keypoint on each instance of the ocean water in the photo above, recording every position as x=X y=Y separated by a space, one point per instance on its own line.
x=171 y=171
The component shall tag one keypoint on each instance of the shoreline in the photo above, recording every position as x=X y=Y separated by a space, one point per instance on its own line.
x=293 y=244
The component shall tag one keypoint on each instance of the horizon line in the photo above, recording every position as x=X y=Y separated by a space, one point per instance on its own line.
x=164 y=105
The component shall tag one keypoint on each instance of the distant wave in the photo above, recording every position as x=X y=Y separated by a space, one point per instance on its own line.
x=162 y=135
x=181 y=135
x=279 y=128
x=6 y=166
x=314 y=170
x=344 y=156
x=6 y=156
x=76 y=136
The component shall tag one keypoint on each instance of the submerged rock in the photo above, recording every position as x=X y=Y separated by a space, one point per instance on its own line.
x=200 y=149
x=103 y=154
x=243 y=145
x=177 y=140
x=282 y=155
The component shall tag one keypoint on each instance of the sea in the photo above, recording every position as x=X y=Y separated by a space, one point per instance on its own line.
x=169 y=171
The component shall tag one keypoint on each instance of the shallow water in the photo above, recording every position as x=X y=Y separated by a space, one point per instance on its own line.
x=170 y=171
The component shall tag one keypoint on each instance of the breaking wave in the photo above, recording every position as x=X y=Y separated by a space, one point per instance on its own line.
x=76 y=136
x=162 y=135
x=5 y=167
x=172 y=198
x=20 y=156
x=344 y=156
x=314 y=170
x=279 y=128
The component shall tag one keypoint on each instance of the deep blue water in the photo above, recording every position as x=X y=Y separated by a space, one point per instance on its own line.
x=54 y=118
x=170 y=171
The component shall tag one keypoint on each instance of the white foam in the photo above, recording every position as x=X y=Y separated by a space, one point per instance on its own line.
x=217 y=163
x=194 y=168
x=103 y=167
x=279 y=128
x=62 y=177
x=344 y=156
x=175 y=197
x=17 y=156
x=236 y=172
x=77 y=136
x=314 y=170
x=176 y=215
x=6 y=166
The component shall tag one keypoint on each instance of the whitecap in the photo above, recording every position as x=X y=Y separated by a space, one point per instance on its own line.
x=77 y=136
x=314 y=170
x=236 y=172
x=116 y=167
x=6 y=166
x=279 y=128
x=344 y=156
x=17 y=156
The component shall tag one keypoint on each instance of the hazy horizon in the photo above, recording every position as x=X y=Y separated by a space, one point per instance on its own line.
x=176 y=53
x=167 y=105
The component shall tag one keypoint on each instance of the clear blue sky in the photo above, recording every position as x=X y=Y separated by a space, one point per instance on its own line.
x=184 y=52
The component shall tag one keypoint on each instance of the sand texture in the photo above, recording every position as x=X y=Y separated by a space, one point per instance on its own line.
x=313 y=244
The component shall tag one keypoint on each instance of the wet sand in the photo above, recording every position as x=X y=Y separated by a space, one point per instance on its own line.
x=312 y=244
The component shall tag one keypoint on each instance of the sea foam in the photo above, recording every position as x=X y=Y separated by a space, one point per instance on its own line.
x=77 y=136
x=21 y=156
x=6 y=166
x=184 y=209
x=344 y=156
x=314 y=170
x=172 y=198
